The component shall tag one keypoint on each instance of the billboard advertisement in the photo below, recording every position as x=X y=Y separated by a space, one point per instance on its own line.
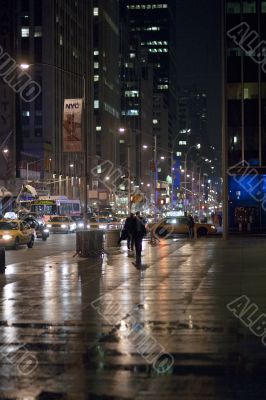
x=72 y=120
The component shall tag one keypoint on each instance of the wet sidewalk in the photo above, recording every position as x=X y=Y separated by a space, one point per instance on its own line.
x=104 y=330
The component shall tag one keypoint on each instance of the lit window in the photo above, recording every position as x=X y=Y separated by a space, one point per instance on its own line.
x=121 y=141
x=61 y=40
x=182 y=142
x=155 y=121
x=178 y=153
x=96 y=52
x=96 y=103
x=96 y=78
x=263 y=7
x=132 y=112
x=132 y=55
x=25 y=31
x=95 y=11
x=99 y=169
x=96 y=65
x=233 y=7
x=249 y=7
x=26 y=113
x=98 y=128
x=235 y=139
x=131 y=93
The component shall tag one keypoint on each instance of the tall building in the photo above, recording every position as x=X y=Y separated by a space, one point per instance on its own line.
x=106 y=78
x=152 y=25
x=245 y=112
x=52 y=38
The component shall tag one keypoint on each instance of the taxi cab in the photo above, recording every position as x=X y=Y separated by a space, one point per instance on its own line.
x=178 y=225
x=61 y=224
x=14 y=233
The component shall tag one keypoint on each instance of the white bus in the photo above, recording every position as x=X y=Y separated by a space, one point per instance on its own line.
x=55 y=205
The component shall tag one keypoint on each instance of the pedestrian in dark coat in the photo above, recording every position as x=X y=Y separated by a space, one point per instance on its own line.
x=190 y=224
x=139 y=231
x=127 y=232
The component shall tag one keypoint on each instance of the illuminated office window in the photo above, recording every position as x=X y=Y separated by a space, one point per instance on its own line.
x=25 y=31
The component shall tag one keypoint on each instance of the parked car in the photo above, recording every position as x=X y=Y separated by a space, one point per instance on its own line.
x=42 y=232
x=178 y=225
x=14 y=233
x=61 y=224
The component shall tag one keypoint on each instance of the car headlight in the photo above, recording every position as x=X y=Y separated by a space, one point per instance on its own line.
x=63 y=226
x=7 y=237
x=102 y=226
x=80 y=224
x=213 y=227
x=49 y=226
x=46 y=230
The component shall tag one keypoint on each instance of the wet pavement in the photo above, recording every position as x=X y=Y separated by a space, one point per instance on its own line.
x=102 y=329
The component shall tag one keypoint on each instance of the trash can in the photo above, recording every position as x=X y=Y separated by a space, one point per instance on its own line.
x=89 y=243
x=112 y=237
x=2 y=260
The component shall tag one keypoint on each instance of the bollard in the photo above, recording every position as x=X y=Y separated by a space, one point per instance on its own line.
x=89 y=243
x=2 y=260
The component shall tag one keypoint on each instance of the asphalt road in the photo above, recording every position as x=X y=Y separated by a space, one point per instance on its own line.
x=55 y=244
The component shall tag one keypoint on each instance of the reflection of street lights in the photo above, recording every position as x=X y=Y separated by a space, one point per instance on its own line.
x=84 y=78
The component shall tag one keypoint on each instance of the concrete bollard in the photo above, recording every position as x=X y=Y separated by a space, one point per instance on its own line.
x=89 y=243
x=2 y=260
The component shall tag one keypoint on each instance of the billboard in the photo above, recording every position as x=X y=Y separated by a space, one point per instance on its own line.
x=72 y=139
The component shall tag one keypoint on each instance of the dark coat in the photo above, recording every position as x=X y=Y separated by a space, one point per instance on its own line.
x=139 y=230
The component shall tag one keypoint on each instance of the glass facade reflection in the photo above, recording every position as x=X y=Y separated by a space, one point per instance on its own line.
x=246 y=105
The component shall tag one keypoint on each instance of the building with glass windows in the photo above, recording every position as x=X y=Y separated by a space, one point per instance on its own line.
x=153 y=27
x=52 y=38
x=245 y=113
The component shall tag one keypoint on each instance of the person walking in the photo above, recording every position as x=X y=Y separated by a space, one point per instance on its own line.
x=127 y=232
x=190 y=224
x=139 y=231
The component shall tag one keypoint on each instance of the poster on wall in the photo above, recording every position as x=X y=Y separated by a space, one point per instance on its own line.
x=72 y=139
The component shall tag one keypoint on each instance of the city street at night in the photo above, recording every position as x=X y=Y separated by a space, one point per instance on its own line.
x=132 y=200
x=68 y=325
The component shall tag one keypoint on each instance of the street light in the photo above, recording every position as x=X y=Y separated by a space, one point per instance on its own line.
x=84 y=78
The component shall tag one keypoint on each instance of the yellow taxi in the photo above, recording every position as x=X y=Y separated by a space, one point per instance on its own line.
x=179 y=225
x=61 y=224
x=14 y=233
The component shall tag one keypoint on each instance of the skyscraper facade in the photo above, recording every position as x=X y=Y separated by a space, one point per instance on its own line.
x=52 y=39
x=245 y=112
x=153 y=23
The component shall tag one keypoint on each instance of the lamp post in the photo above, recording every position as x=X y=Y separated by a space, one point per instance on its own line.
x=84 y=78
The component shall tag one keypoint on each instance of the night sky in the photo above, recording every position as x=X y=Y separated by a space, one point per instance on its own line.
x=198 y=55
